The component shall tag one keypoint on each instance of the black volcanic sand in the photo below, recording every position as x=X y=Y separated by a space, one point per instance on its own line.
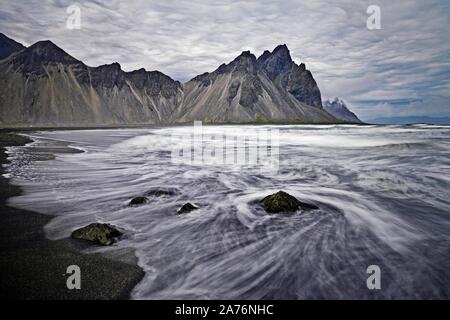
x=33 y=267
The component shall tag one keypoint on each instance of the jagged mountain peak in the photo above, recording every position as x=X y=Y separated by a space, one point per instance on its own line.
x=139 y=71
x=276 y=62
x=245 y=55
x=280 y=68
x=336 y=101
x=43 y=52
x=245 y=62
x=115 y=66
x=280 y=52
x=339 y=109
x=283 y=51
x=48 y=49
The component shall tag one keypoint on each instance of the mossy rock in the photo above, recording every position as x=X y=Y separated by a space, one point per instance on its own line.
x=283 y=202
x=138 y=201
x=186 y=208
x=99 y=233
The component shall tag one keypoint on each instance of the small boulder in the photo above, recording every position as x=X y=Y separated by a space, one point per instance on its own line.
x=284 y=202
x=187 y=207
x=99 y=233
x=138 y=201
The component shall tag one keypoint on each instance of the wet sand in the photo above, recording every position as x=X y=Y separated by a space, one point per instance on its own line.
x=33 y=267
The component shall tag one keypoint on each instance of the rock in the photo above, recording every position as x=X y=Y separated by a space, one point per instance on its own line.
x=187 y=207
x=100 y=233
x=284 y=202
x=138 y=201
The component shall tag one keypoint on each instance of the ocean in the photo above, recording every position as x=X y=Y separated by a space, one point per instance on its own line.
x=383 y=194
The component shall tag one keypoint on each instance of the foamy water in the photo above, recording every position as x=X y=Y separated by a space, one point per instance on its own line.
x=383 y=193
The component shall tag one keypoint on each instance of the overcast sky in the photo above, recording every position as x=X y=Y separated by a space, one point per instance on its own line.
x=401 y=69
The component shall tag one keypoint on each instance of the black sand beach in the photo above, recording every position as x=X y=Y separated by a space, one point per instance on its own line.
x=33 y=267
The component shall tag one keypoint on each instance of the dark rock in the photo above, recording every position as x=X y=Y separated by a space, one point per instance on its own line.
x=99 y=233
x=284 y=202
x=187 y=207
x=138 y=201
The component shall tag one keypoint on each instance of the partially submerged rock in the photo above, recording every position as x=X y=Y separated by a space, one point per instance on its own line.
x=100 y=233
x=187 y=207
x=138 y=201
x=284 y=202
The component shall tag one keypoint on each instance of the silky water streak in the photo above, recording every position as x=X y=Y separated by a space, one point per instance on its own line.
x=255 y=147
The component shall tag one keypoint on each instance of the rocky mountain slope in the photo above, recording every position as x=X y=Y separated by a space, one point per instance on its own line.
x=42 y=85
x=294 y=78
x=243 y=92
x=338 y=108
x=8 y=46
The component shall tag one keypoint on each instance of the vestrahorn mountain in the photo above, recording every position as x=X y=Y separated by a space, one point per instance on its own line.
x=42 y=85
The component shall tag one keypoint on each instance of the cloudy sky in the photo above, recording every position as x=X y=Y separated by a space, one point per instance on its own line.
x=401 y=69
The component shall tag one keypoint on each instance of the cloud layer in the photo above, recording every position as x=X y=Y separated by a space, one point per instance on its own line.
x=402 y=69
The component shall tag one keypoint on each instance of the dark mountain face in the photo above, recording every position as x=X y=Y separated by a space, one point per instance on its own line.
x=294 y=78
x=276 y=63
x=8 y=46
x=338 y=108
x=45 y=86
x=35 y=58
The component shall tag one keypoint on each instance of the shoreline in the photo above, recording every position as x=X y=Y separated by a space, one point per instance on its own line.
x=13 y=128
x=34 y=268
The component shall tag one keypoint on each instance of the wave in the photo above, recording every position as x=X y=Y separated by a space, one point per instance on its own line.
x=381 y=194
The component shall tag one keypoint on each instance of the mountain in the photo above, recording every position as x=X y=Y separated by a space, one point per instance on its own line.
x=411 y=120
x=281 y=69
x=338 y=108
x=43 y=85
x=8 y=46
x=241 y=92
